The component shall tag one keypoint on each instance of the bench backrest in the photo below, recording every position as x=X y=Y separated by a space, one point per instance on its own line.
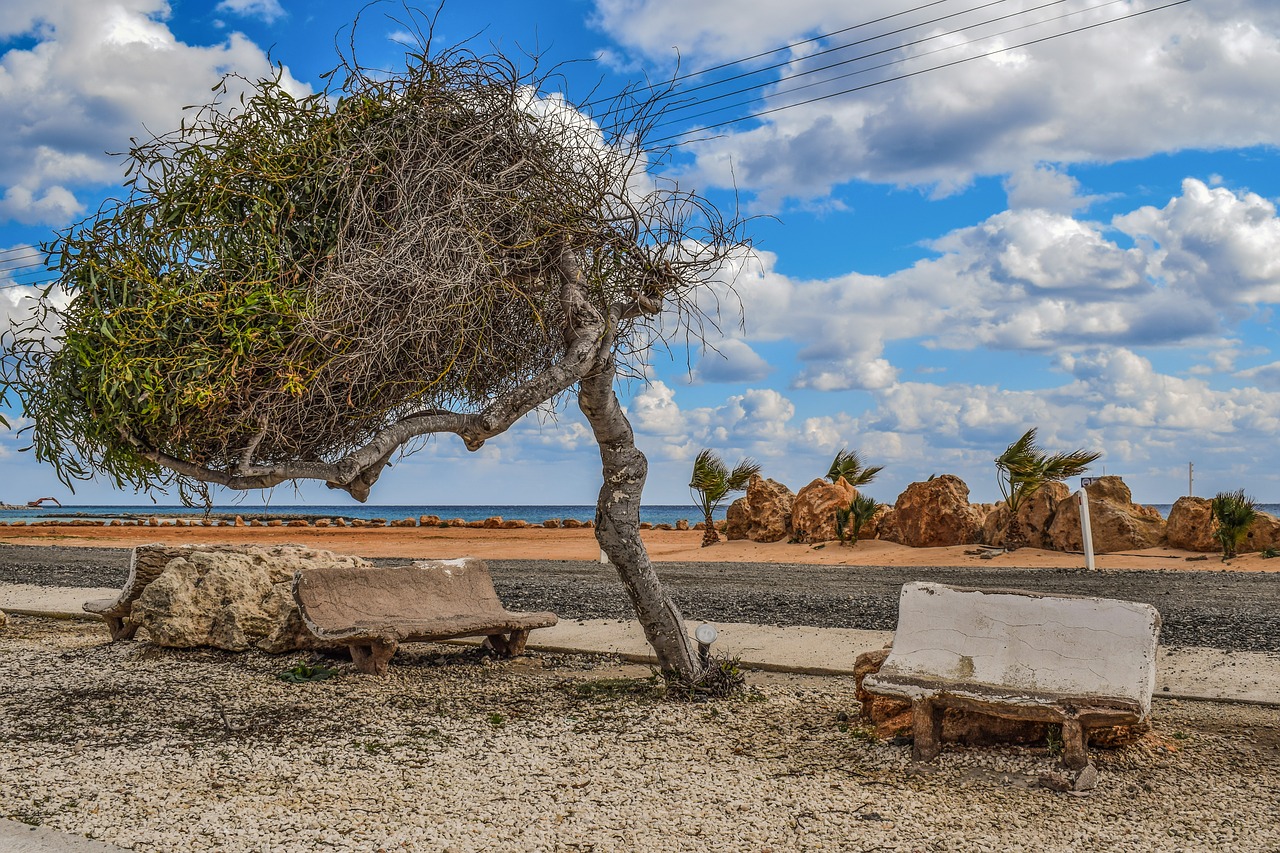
x=1026 y=641
x=426 y=589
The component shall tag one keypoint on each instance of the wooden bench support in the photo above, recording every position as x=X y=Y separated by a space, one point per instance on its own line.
x=1075 y=756
x=120 y=627
x=926 y=729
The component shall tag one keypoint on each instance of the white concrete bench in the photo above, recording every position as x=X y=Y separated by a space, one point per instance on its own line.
x=1080 y=662
x=373 y=610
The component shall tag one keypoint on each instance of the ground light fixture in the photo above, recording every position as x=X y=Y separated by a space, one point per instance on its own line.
x=705 y=635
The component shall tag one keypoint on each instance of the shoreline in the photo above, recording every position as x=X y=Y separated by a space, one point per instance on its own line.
x=539 y=543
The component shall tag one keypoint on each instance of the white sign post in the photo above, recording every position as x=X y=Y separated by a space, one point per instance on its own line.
x=1086 y=530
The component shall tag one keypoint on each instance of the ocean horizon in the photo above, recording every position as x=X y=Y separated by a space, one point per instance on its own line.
x=532 y=513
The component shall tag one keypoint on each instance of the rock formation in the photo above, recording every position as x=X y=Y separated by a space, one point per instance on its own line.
x=1118 y=524
x=232 y=600
x=932 y=514
x=763 y=514
x=1264 y=533
x=813 y=513
x=1034 y=517
x=1191 y=525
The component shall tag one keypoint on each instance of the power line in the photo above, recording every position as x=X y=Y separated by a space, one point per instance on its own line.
x=881 y=52
x=915 y=73
x=772 y=51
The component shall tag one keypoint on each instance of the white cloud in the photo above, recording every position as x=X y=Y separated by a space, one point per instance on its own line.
x=1198 y=76
x=267 y=10
x=1045 y=188
x=731 y=361
x=96 y=74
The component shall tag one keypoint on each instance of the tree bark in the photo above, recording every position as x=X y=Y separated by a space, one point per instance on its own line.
x=618 y=524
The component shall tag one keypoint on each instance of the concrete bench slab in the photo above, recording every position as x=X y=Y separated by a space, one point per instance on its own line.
x=372 y=611
x=1077 y=661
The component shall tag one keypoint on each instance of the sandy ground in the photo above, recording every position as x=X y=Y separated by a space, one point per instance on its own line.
x=539 y=543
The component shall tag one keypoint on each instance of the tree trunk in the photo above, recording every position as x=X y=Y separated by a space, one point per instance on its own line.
x=618 y=524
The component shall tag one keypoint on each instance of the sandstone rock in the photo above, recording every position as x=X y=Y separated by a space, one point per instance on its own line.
x=323 y=522
x=933 y=514
x=551 y=523
x=571 y=524
x=1118 y=524
x=813 y=513
x=1191 y=525
x=701 y=525
x=493 y=522
x=358 y=522
x=275 y=522
x=763 y=514
x=339 y=522
x=298 y=522
x=646 y=525
x=514 y=524
x=663 y=526
x=233 y=598
x=1262 y=534
x=429 y=520
x=682 y=524
x=239 y=522
x=377 y=522
x=1035 y=516
x=457 y=522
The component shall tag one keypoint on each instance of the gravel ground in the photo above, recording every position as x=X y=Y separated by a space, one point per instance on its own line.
x=162 y=750
x=1228 y=610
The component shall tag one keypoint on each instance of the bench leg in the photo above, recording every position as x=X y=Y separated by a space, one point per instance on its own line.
x=120 y=627
x=926 y=730
x=515 y=642
x=497 y=644
x=1075 y=755
x=372 y=658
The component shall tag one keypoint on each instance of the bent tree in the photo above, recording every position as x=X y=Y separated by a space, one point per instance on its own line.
x=302 y=288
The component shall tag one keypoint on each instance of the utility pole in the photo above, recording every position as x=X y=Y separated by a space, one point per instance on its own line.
x=1191 y=478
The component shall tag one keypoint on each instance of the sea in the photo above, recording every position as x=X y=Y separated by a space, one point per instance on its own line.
x=534 y=514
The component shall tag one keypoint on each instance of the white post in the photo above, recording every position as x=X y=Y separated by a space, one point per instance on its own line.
x=1191 y=478
x=1086 y=530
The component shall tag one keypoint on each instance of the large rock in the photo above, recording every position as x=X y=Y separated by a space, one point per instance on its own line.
x=1191 y=525
x=232 y=600
x=813 y=513
x=1118 y=524
x=932 y=514
x=1264 y=533
x=1035 y=516
x=763 y=514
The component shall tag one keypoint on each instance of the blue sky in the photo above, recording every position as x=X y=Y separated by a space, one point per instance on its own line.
x=1079 y=235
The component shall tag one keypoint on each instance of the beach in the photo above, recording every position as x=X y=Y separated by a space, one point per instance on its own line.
x=163 y=750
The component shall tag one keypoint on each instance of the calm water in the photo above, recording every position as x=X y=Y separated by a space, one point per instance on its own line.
x=656 y=514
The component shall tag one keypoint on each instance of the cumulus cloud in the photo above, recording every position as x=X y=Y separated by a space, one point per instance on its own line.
x=267 y=10
x=731 y=361
x=1192 y=77
x=86 y=77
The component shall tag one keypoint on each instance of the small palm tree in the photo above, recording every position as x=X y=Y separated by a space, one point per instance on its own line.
x=848 y=464
x=854 y=517
x=1235 y=513
x=1023 y=469
x=712 y=482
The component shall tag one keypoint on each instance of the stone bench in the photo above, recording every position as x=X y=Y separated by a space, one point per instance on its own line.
x=372 y=611
x=1079 y=662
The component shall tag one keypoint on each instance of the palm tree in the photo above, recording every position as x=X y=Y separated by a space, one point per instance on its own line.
x=848 y=464
x=1235 y=513
x=1024 y=468
x=854 y=517
x=712 y=482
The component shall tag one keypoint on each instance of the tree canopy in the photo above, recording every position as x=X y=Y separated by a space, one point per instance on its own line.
x=299 y=286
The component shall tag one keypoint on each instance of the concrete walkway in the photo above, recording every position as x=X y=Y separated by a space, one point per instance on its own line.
x=1181 y=672
x=17 y=837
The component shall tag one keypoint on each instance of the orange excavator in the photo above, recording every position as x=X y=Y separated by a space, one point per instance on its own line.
x=38 y=502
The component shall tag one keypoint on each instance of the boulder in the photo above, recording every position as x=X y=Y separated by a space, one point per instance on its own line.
x=1035 y=516
x=1191 y=525
x=1118 y=524
x=764 y=514
x=682 y=524
x=932 y=514
x=813 y=513
x=1264 y=533
x=233 y=598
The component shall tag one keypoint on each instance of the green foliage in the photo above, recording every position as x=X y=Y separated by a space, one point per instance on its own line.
x=851 y=519
x=303 y=673
x=712 y=482
x=1235 y=513
x=722 y=678
x=1023 y=468
x=848 y=464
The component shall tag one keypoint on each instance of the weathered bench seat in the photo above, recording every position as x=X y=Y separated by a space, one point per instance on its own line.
x=1080 y=662
x=372 y=611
